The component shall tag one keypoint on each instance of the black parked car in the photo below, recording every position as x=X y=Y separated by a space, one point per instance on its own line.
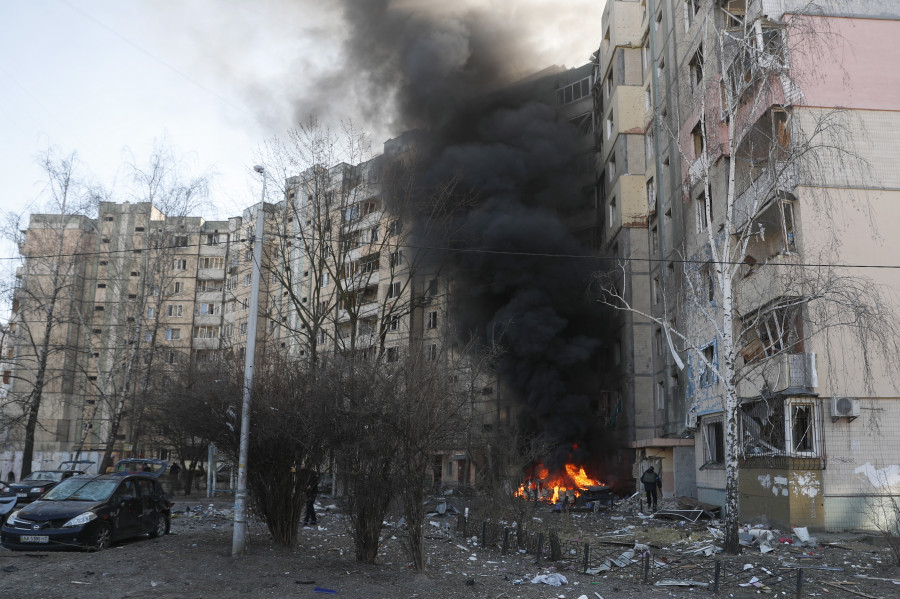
x=39 y=482
x=90 y=512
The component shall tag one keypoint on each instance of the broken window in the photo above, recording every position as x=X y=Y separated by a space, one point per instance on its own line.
x=702 y=219
x=708 y=366
x=802 y=427
x=780 y=329
x=697 y=140
x=762 y=425
x=713 y=442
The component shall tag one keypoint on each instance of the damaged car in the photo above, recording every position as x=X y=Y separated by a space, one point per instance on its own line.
x=90 y=512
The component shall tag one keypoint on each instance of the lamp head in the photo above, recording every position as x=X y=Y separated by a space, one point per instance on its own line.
x=259 y=169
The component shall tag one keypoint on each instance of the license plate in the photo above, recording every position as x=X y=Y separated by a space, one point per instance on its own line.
x=21 y=494
x=34 y=539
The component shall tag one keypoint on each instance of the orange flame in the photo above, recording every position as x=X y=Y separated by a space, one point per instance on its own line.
x=572 y=478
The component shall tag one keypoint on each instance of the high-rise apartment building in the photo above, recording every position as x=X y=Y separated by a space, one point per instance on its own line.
x=745 y=159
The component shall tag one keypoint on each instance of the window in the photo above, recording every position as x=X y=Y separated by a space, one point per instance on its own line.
x=7 y=376
x=170 y=357
x=612 y=212
x=108 y=218
x=248 y=255
x=173 y=334
x=655 y=290
x=701 y=208
x=431 y=353
x=396 y=259
x=651 y=197
x=148 y=337
x=709 y=281
x=177 y=287
x=802 y=428
x=571 y=93
x=179 y=264
x=696 y=71
x=393 y=290
x=393 y=354
x=324 y=279
x=432 y=289
x=105 y=240
x=151 y=312
x=395 y=227
x=432 y=320
x=245 y=304
x=610 y=124
x=175 y=310
x=212 y=239
x=243 y=329
x=708 y=366
x=691 y=7
x=181 y=241
x=780 y=329
x=135 y=273
x=658 y=338
x=713 y=442
x=206 y=332
x=207 y=308
x=697 y=140
x=394 y=323
x=611 y=166
x=660 y=395
x=212 y=262
x=98 y=308
x=208 y=285
x=248 y=279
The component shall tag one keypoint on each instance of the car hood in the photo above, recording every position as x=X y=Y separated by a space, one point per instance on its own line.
x=55 y=510
x=25 y=485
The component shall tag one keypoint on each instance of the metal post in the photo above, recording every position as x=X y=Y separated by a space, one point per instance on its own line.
x=239 y=539
x=799 y=582
x=718 y=574
x=587 y=556
x=211 y=470
x=646 y=566
x=540 y=547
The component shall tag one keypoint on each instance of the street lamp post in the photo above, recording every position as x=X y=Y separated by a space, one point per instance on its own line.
x=239 y=538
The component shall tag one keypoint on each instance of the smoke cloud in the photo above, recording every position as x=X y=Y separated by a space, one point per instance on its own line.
x=455 y=78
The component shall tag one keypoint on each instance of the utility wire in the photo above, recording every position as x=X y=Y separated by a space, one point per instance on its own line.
x=458 y=250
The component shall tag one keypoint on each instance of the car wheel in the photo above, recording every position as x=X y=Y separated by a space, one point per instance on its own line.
x=101 y=539
x=160 y=526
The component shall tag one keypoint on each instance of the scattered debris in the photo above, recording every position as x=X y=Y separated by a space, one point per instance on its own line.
x=671 y=582
x=554 y=580
x=326 y=591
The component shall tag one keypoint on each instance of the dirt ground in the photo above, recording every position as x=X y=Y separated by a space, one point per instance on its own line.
x=194 y=561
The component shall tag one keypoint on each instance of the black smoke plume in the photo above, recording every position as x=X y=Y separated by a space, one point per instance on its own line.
x=457 y=80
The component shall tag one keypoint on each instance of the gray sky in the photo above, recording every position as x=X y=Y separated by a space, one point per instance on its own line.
x=213 y=78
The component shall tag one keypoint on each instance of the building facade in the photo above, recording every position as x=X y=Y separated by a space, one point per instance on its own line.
x=764 y=138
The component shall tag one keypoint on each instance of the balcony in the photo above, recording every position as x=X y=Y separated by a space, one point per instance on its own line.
x=787 y=374
x=772 y=180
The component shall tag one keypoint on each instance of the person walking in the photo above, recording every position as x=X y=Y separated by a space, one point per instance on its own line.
x=309 y=518
x=652 y=482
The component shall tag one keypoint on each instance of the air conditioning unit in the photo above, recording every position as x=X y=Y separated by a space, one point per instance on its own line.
x=844 y=407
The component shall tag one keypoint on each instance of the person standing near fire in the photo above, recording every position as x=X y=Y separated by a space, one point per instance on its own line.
x=652 y=482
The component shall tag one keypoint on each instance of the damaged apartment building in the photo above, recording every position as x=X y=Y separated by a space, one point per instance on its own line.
x=746 y=174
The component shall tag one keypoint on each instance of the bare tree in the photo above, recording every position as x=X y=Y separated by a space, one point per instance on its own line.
x=754 y=296
x=51 y=291
x=130 y=354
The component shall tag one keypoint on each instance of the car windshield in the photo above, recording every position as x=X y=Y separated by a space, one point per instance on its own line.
x=80 y=489
x=45 y=475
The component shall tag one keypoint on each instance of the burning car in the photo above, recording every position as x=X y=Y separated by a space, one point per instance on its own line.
x=568 y=485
